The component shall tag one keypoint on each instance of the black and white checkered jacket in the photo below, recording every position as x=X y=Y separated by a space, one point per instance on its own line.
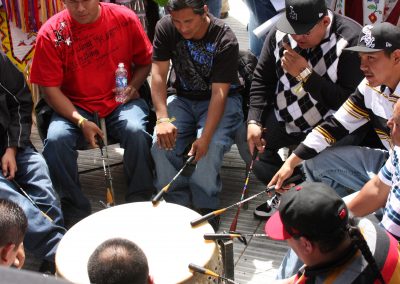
x=374 y=104
x=335 y=76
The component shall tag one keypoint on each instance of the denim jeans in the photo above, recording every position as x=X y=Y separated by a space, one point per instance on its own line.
x=346 y=168
x=214 y=7
x=42 y=236
x=126 y=124
x=202 y=188
x=260 y=12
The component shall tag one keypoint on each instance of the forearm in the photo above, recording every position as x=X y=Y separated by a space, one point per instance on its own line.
x=139 y=75
x=371 y=197
x=159 y=88
x=61 y=104
x=216 y=109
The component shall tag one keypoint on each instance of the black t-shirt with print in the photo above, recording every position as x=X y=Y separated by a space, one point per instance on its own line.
x=198 y=63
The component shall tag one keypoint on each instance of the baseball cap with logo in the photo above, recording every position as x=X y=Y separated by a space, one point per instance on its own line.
x=301 y=16
x=313 y=210
x=381 y=36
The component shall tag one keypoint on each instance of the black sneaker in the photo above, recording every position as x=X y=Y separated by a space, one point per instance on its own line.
x=47 y=267
x=265 y=210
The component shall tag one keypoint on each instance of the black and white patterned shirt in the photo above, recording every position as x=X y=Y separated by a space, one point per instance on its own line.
x=335 y=76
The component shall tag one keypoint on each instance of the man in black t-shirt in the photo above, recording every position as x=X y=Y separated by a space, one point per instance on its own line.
x=203 y=106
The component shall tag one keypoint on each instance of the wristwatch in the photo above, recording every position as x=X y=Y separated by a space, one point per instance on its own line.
x=303 y=76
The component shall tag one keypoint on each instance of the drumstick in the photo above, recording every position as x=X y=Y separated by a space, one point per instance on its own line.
x=158 y=196
x=30 y=199
x=107 y=171
x=208 y=272
x=220 y=211
x=235 y=220
x=230 y=236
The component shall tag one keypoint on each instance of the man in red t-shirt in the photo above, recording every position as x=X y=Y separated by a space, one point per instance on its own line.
x=77 y=53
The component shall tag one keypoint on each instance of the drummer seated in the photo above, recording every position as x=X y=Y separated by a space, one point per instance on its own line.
x=13 y=224
x=118 y=261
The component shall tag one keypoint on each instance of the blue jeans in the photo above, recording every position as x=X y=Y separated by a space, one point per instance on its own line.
x=260 y=12
x=214 y=7
x=42 y=236
x=202 y=188
x=126 y=124
x=346 y=169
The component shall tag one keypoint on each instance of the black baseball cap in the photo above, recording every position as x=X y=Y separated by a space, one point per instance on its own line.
x=301 y=16
x=313 y=210
x=381 y=36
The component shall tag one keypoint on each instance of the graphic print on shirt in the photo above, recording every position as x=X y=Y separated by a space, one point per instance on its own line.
x=59 y=35
x=193 y=62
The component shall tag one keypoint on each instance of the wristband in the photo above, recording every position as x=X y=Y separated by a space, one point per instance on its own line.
x=254 y=122
x=165 y=119
x=81 y=121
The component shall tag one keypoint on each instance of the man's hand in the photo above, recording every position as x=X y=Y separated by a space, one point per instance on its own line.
x=199 y=148
x=285 y=171
x=90 y=130
x=292 y=62
x=8 y=163
x=130 y=94
x=20 y=257
x=166 y=135
x=254 y=139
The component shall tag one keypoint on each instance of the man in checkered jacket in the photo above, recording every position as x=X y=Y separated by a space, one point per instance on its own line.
x=302 y=77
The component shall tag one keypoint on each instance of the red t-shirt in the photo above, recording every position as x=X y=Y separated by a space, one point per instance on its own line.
x=82 y=58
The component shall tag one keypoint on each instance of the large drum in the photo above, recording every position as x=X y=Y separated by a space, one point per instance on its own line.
x=163 y=232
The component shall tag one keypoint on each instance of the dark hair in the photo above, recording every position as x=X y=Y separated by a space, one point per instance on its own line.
x=351 y=230
x=358 y=239
x=118 y=261
x=13 y=223
x=196 y=5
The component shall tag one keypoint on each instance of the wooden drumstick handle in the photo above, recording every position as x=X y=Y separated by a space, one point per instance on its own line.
x=202 y=270
x=159 y=195
x=221 y=236
x=206 y=271
x=207 y=217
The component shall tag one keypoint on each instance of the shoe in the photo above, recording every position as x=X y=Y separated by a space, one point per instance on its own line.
x=265 y=210
x=47 y=267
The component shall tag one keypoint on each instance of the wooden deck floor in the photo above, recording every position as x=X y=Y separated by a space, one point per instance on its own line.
x=255 y=263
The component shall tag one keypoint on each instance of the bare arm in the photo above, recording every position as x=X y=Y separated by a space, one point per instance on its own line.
x=64 y=107
x=214 y=114
x=166 y=131
x=139 y=75
x=372 y=196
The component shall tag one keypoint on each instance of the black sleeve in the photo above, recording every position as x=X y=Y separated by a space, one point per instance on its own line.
x=225 y=64
x=333 y=95
x=19 y=103
x=162 y=40
x=264 y=82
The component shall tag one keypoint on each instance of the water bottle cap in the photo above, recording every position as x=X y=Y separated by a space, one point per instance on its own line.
x=121 y=65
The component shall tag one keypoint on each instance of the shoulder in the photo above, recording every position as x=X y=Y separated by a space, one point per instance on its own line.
x=346 y=28
x=54 y=22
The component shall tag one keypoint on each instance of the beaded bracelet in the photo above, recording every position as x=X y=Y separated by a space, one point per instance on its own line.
x=165 y=119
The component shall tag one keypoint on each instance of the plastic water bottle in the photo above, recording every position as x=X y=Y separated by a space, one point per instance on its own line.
x=121 y=81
